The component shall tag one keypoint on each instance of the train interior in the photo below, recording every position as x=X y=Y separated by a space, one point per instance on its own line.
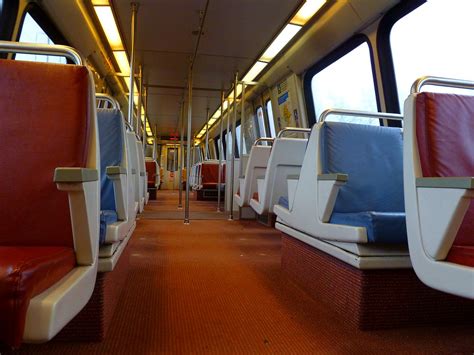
x=236 y=176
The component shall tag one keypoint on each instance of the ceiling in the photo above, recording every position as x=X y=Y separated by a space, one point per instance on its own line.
x=235 y=32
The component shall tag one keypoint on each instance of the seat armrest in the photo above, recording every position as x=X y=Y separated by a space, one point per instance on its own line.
x=70 y=175
x=442 y=205
x=118 y=175
x=328 y=188
x=447 y=182
x=115 y=170
x=83 y=190
x=142 y=173
x=134 y=171
x=333 y=177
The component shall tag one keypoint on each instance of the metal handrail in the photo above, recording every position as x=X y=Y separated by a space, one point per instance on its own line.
x=46 y=49
x=105 y=97
x=438 y=81
x=293 y=129
x=364 y=114
x=264 y=139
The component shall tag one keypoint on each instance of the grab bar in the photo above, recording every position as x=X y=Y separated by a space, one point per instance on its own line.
x=293 y=129
x=264 y=139
x=437 y=81
x=365 y=114
x=45 y=49
x=104 y=97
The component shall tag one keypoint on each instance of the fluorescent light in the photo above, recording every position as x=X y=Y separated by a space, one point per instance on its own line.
x=107 y=21
x=150 y=141
x=212 y=121
x=226 y=105
x=307 y=11
x=280 y=42
x=123 y=63
x=100 y=2
x=217 y=114
x=254 y=71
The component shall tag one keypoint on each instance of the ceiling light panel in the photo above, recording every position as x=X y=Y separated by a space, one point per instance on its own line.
x=254 y=71
x=280 y=42
x=107 y=21
x=123 y=63
x=307 y=11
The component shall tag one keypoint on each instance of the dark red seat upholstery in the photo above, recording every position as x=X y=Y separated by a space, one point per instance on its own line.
x=210 y=176
x=25 y=272
x=445 y=135
x=44 y=120
x=151 y=172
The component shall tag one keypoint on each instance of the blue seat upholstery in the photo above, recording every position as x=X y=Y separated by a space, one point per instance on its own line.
x=372 y=156
x=111 y=140
x=283 y=201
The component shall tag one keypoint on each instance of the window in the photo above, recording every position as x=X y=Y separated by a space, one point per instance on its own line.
x=271 y=120
x=435 y=39
x=172 y=159
x=218 y=147
x=261 y=122
x=31 y=32
x=240 y=150
x=346 y=83
x=228 y=144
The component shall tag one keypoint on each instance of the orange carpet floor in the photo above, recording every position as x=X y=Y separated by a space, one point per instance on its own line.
x=216 y=286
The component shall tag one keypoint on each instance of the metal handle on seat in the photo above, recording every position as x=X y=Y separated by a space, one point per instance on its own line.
x=438 y=81
x=105 y=97
x=293 y=129
x=363 y=114
x=264 y=139
x=45 y=49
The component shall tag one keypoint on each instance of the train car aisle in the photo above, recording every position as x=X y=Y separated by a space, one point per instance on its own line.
x=216 y=286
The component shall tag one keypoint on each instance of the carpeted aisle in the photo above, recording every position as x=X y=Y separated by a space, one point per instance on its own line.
x=216 y=287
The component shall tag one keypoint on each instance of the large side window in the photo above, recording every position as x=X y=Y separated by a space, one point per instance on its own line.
x=434 y=39
x=262 y=132
x=31 y=32
x=347 y=82
x=271 y=120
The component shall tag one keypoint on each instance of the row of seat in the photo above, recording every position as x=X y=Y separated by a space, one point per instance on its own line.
x=73 y=196
x=204 y=178
x=364 y=194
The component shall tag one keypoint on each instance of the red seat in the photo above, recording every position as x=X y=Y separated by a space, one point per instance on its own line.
x=445 y=135
x=45 y=107
x=210 y=175
x=151 y=171
x=25 y=272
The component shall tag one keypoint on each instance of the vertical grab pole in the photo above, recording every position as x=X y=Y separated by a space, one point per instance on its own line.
x=132 y=63
x=221 y=152
x=181 y=157
x=234 y=141
x=145 y=106
x=206 y=154
x=188 y=145
x=242 y=130
x=140 y=102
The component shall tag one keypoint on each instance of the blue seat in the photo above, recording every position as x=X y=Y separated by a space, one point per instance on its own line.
x=111 y=140
x=283 y=201
x=372 y=156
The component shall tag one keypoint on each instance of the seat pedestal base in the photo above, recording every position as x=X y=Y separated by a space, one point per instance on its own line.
x=152 y=192
x=208 y=195
x=370 y=299
x=92 y=323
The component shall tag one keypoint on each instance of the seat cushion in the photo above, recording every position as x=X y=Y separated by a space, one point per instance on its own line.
x=45 y=108
x=106 y=217
x=283 y=201
x=381 y=227
x=372 y=156
x=463 y=255
x=111 y=140
x=25 y=272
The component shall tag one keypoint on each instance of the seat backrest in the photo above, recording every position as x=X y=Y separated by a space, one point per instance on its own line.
x=133 y=161
x=151 y=170
x=45 y=120
x=210 y=172
x=445 y=137
x=372 y=156
x=111 y=139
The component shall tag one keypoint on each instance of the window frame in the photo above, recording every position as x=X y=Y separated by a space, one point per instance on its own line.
x=8 y=15
x=46 y=24
x=346 y=47
x=387 y=67
x=258 y=123
x=269 y=101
